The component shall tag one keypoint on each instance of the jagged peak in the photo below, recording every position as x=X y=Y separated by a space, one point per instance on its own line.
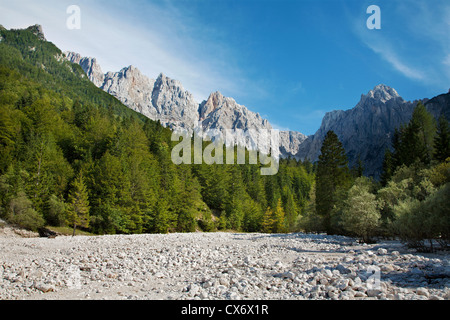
x=382 y=93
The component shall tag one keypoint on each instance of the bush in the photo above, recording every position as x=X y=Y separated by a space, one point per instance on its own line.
x=360 y=213
x=56 y=214
x=22 y=214
x=419 y=221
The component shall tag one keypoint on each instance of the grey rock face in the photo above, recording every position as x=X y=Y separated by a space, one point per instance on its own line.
x=290 y=142
x=367 y=129
x=132 y=88
x=89 y=65
x=175 y=106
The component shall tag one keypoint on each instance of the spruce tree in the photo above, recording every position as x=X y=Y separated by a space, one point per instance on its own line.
x=279 y=218
x=332 y=174
x=78 y=204
x=268 y=221
x=388 y=167
x=442 y=140
x=423 y=129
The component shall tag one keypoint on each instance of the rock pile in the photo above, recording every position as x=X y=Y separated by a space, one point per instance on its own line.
x=217 y=266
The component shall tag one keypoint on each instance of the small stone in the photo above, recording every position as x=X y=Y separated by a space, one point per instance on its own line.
x=288 y=275
x=342 y=284
x=346 y=295
x=327 y=273
x=342 y=269
x=374 y=292
x=193 y=289
x=382 y=251
x=422 y=292
x=44 y=287
x=387 y=268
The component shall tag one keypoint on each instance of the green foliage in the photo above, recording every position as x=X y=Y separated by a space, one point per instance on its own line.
x=414 y=142
x=442 y=140
x=419 y=221
x=21 y=213
x=56 y=211
x=361 y=214
x=274 y=220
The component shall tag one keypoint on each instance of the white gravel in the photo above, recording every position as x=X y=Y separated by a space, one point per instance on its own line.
x=217 y=266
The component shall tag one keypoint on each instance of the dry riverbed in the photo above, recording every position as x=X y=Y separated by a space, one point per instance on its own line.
x=216 y=266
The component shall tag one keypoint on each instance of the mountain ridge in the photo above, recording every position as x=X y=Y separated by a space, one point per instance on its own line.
x=166 y=100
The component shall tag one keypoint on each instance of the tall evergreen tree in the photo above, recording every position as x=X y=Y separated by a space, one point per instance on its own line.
x=78 y=204
x=423 y=129
x=414 y=141
x=332 y=174
x=442 y=140
x=388 y=167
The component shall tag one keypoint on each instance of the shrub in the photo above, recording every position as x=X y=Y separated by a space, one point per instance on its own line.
x=360 y=214
x=22 y=213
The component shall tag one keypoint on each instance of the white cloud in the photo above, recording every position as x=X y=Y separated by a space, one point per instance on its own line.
x=384 y=49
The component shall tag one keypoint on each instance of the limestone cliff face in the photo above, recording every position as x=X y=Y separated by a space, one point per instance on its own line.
x=89 y=65
x=366 y=130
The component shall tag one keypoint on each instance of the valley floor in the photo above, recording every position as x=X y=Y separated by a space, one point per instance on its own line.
x=216 y=266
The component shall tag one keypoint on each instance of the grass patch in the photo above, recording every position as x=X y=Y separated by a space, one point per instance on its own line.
x=67 y=231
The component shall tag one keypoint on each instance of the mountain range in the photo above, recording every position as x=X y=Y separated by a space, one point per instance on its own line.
x=365 y=130
x=166 y=100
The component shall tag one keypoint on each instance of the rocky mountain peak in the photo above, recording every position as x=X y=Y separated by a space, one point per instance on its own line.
x=38 y=31
x=381 y=93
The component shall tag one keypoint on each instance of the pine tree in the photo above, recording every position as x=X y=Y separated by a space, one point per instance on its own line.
x=274 y=220
x=78 y=204
x=164 y=220
x=414 y=142
x=279 y=221
x=268 y=221
x=358 y=169
x=423 y=129
x=332 y=174
x=388 y=167
x=442 y=140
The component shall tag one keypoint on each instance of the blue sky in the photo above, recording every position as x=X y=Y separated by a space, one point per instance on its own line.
x=289 y=60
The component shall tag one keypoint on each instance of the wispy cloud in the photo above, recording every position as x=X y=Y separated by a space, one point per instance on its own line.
x=384 y=49
x=417 y=47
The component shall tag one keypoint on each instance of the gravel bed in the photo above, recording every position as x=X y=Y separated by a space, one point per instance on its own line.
x=217 y=266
